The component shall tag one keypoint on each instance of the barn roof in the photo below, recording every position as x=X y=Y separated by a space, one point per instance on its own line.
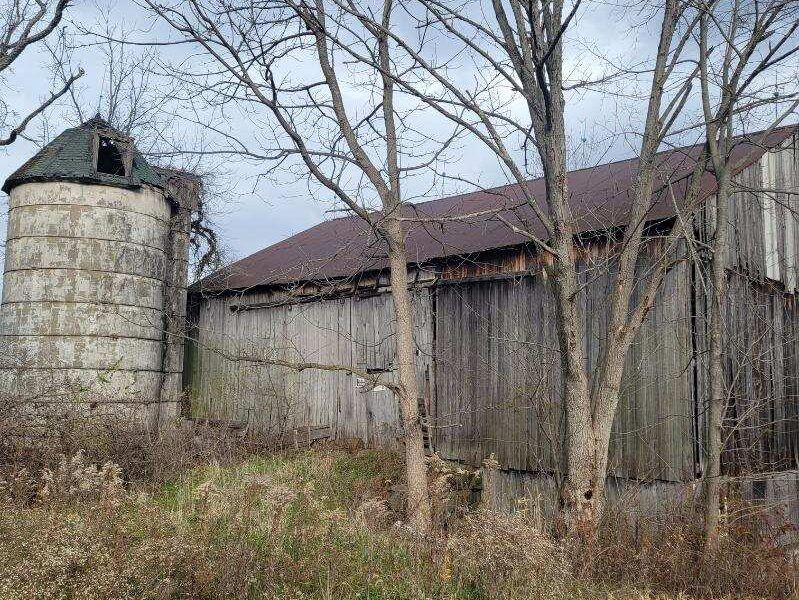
x=599 y=196
x=69 y=157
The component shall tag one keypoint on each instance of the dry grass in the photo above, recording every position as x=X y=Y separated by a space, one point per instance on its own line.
x=315 y=524
x=666 y=554
x=142 y=454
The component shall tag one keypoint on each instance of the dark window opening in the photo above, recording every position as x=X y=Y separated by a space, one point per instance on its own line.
x=759 y=489
x=111 y=157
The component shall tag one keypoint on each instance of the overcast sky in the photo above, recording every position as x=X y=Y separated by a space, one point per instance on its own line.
x=250 y=216
x=253 y=212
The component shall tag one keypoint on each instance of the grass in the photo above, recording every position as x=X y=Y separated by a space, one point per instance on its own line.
x=292 y=525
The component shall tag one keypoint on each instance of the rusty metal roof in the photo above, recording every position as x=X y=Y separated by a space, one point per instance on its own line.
x=69 y=157
x=599 y=196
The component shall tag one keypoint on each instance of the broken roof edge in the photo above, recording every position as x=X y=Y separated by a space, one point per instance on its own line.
x=182 y=187
x=70 y=157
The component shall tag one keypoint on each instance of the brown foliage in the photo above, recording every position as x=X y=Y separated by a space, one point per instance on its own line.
x=142 y=453
x=666 y=554
x=200 y=516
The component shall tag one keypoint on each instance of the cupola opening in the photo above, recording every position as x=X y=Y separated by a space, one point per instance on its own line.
x=93 y=152
x=111 y=156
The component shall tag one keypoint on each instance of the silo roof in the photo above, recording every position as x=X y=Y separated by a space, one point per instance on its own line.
x=70 y=157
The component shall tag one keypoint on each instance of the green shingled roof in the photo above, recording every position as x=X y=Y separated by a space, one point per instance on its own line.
x=69 y=158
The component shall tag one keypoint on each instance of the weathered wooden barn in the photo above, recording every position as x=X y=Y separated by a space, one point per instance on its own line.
x=485 y=336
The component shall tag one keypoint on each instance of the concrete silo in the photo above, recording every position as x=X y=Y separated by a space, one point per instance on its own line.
x=95 y=276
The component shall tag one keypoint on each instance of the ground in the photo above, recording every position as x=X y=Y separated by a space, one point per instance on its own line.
x=309 y=524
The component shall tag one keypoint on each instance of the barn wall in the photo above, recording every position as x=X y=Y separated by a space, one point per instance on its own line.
x=488 y=353
x=764 y=233
x=761 y=364
x=230 y=380
x=499 y=384
x=761 y=425
x=492 y=384
x=762 y=375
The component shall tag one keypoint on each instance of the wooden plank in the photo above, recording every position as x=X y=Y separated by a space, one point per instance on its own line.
x=343 y=331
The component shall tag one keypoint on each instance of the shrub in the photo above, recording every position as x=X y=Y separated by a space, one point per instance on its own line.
x=144 y=455
x=203 y=518
x=503 y=556
x=667 y=554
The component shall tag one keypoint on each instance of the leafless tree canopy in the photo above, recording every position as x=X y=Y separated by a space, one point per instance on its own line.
x=740 y=44
x=26 y=23
x=348 y=126
x=384 y=71
x=371 y=102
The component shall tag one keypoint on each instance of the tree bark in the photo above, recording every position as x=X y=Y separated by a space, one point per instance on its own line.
x=717 y=401
x=418 y=509
x=590 y=406
x=581 y=490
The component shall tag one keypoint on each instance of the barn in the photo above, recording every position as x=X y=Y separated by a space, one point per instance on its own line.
x=485 y=338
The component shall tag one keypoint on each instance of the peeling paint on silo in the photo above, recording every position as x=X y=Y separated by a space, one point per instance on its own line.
x=89 y=279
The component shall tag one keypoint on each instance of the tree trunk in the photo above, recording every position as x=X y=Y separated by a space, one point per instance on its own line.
x=581 y=489
x=418 y=509
x=718 y=402
x=606 y=392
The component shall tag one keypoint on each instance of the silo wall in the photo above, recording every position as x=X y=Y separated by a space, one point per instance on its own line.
x=184 y=191
x=82 y=319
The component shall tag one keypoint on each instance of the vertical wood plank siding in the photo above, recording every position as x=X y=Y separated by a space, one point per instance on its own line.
x=493 y=379
x=761 y=425
x=499 y=381
x=761 y=369
x=231 y=378
x=488 y=354
x=764 y=192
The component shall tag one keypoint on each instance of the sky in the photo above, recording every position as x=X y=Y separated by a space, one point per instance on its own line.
x=248 y=214
x=252 y=211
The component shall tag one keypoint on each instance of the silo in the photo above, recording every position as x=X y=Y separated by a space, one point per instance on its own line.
x=95 y=267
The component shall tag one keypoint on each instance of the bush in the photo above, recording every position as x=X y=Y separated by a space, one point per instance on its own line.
x=666 y=554
x=144 y=455
x=280 y=526
x=502 y=556
x=201 y=517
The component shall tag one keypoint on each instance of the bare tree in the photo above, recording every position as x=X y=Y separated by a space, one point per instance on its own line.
x=739 y=44
x=128 y=89
x=359 y=146
x=135 y=96
x=523 y=52
x=25 y=24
